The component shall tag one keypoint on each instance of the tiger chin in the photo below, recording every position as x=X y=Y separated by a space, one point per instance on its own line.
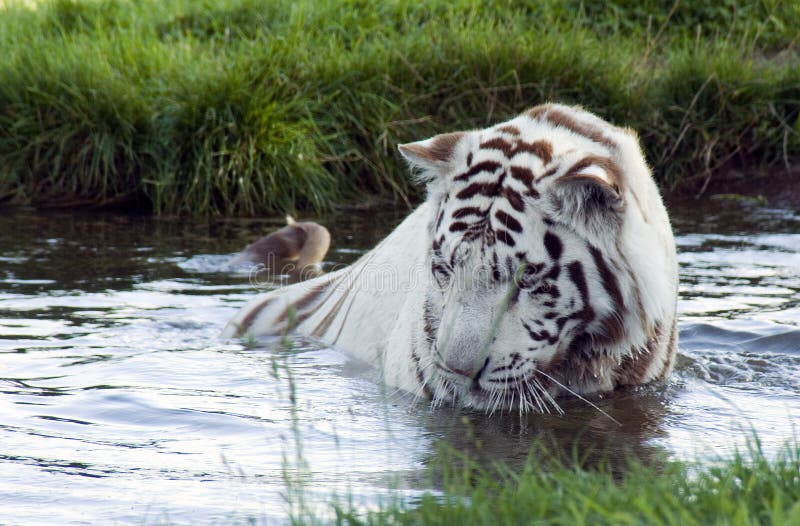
x=541 y=264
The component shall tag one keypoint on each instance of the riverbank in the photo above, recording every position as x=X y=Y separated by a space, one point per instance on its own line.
x=250 y=107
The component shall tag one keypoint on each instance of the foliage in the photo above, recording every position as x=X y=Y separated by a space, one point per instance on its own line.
x=745 y=489
x=259 y=106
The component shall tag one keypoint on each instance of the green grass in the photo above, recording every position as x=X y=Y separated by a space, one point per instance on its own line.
x=746 y=489
x=261 y=106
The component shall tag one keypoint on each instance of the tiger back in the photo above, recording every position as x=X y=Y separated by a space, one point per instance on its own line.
x=541 y=263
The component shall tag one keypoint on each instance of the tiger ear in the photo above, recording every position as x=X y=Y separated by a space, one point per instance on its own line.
x=588 y=198
x=431 y=154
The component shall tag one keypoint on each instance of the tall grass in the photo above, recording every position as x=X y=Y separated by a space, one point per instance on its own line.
x=259 y=106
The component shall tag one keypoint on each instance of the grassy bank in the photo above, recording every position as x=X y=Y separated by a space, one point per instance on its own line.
x=742 y=490
x=259 y=106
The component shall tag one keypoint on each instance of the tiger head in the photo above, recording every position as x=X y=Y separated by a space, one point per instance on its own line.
x=551 y=263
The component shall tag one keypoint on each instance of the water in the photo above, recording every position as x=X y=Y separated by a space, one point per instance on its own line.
x=120 y=404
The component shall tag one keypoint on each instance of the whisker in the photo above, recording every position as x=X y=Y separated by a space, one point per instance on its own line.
x=397 y=391
x=439 y=391
x=495 y=397
x=579 y=397
x=500 y=400
x=548 y=398
x=531 y=387
x=543 y=395
x=434 y=392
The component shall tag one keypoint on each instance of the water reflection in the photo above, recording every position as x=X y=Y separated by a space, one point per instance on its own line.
x=120 y=404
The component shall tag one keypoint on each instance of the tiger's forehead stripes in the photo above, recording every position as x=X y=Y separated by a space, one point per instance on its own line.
x=483 y=166
x=508 y=221
x=511 y=148
x=504 y=164
x=504 y=168
x=509 y=129
x=494 y=176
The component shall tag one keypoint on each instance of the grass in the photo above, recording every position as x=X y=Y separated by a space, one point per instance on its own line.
x=246 y=107
x=745 y=489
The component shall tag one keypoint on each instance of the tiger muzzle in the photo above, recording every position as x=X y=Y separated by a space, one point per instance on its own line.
x=465 y=337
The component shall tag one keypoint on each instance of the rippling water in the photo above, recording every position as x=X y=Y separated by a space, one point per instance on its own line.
x=119 y=403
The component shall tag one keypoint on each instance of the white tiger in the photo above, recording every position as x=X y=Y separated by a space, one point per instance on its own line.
x=541 y=263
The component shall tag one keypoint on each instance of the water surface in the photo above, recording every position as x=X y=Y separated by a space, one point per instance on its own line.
x=120 y=404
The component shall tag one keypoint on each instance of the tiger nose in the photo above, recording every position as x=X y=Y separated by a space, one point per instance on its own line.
x=471 y=369
x=462 y=372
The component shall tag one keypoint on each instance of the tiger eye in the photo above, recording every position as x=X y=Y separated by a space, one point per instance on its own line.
x=526 y=276
x=496 y=275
